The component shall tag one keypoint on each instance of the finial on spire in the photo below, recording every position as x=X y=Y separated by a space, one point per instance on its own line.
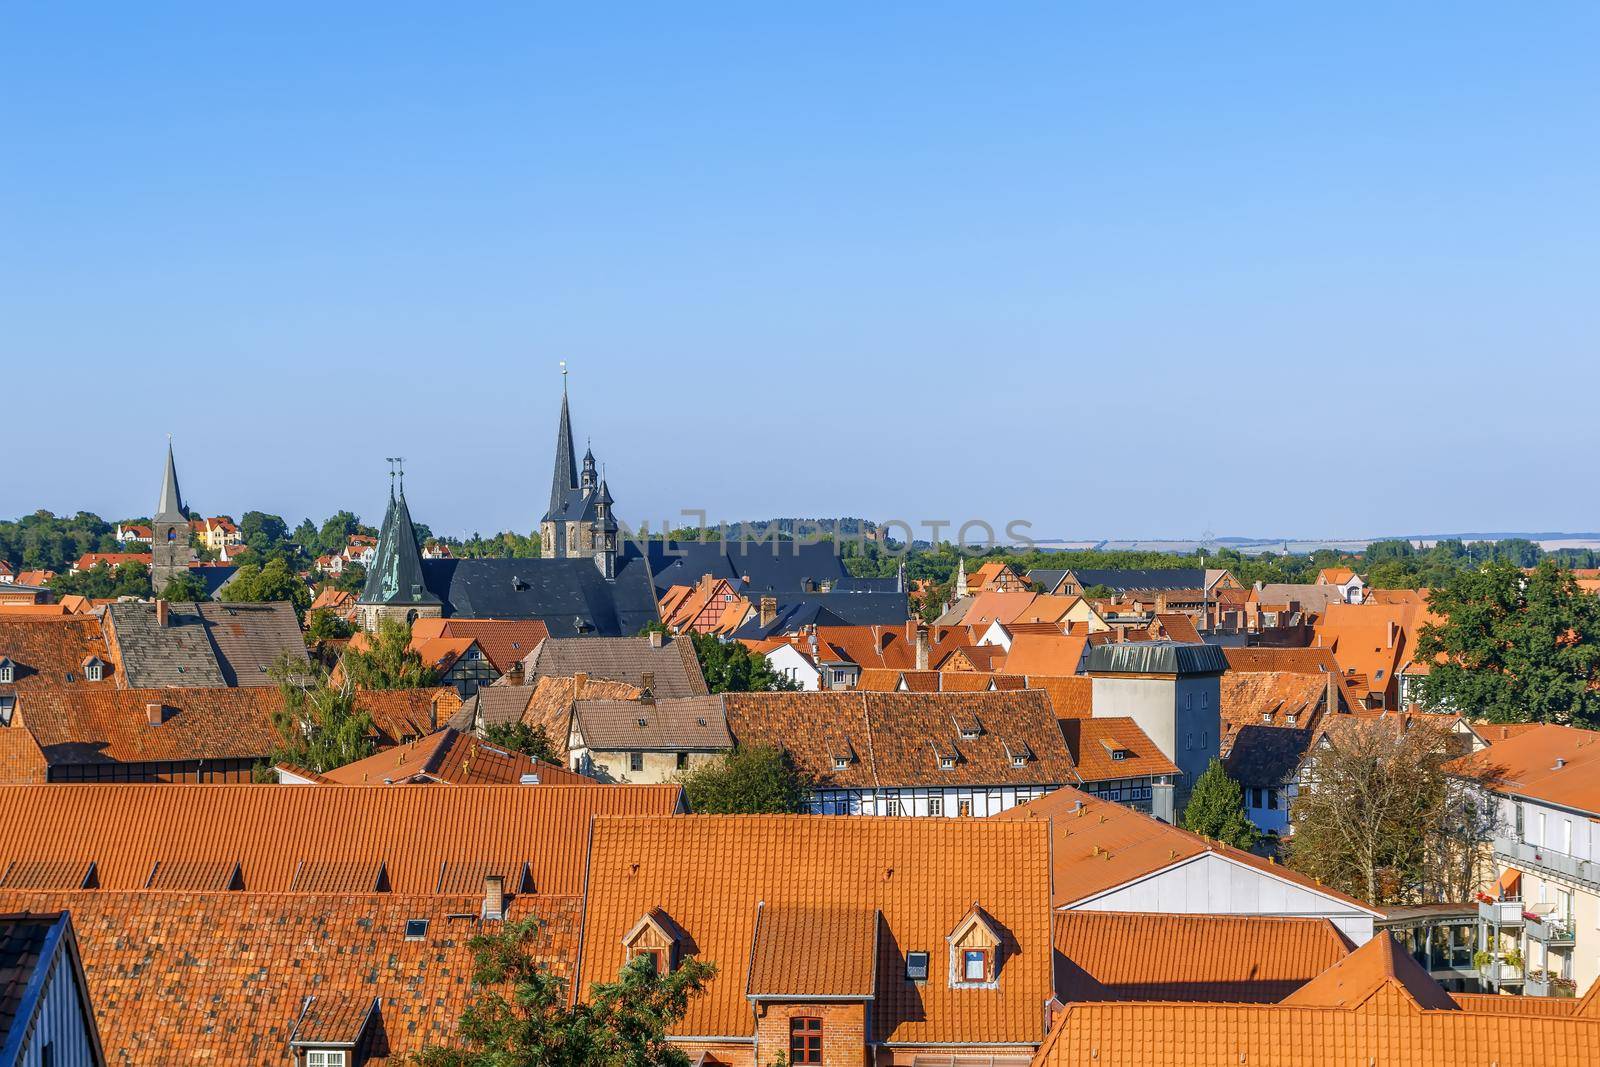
x=563 y=377
x=392 y=461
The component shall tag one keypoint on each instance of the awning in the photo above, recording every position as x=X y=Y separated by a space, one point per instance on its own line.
x=1510 y=883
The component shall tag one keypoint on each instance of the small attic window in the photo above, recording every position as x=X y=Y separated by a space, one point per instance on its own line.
x=947 y=763
x=8 y=672
x=841 y=762
x=1119 y=754
x=1019 y=760
x=917 y=966
x=416 y=929
x=1266 y=717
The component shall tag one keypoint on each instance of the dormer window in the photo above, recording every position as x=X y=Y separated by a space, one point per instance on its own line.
x=974 y=950
x=8 y=672
x=840 y=762
x=947 y=763
x=1017 y=752
x=654 y=938
x=93 y=670
x=968 y=726
x=917 y=966
x=8 y=706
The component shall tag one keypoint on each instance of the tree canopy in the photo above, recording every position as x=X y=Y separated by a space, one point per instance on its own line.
x=521 y=1017
x=1216 y=809
x=384 y=659
x=1514 y=647
x=756 y=780
x=268 y=583
x=185 y=585
x=102 y=581
x=730 y=667
x=320 y=726
x=520 y=737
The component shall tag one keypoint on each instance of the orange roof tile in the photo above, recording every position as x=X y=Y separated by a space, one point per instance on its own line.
x=45 y=651
x=708 y=872
x=803 y=950
x=1072 y=696
x=452 y=758
x=1046 y=654
x=1216 y=958
x=98 y=724
x=1113 y=747
x=503 y=642
x=900 y=739
x=201 y=977
x=1099 y=845
x=125 y=830
x=1556 y=764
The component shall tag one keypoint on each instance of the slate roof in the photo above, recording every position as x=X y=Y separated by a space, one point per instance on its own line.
x=687 y=724
x=203 y=644
x=418 y=836
x=1047 y=577
x=675 y=667
x=1216 y=958
x=898 y=739
x=1148 y=580
x=1266 y=756
x=826 y=609
x=564 y=594
x=22 y=945
x=395 y=576
x=217 y=977
x=709 y=872
x=752 y=567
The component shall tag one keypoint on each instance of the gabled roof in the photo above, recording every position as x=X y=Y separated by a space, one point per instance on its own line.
x=125 y=830
x=709 y=872
x=202 y=644
x=451 y=757
x=1556 y=764
x=1096 y=743
x=688 y=724
x=102 y=725
x=216 y=977
x=1149 y=580
x=1216 y=958
x=1046 y=654
x=45 y=650
x=899 y=732
x=1098 y=846
x=504 y=642
x=1379 y=965
x=568 y=595
x=674 y=668
x=753 y=567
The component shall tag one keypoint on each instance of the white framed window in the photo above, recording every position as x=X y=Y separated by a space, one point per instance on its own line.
x=936 y=809
x=327 y=1057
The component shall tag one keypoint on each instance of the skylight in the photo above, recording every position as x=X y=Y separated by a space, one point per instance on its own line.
x=917 y=966
x=416 y=929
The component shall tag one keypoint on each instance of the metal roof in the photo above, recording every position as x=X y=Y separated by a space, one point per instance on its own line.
x=1156 y=657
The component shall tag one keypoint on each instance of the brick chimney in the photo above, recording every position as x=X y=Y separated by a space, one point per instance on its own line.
x=579 y=681
x=494 y=897
x=163 y=613
x=1392 y=629
x=769 y=610
x=657 y=638
x=155 y=714
x=922 y=648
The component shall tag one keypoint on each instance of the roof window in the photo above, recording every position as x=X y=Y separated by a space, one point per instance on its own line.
x=917 y=966
x=416 y=929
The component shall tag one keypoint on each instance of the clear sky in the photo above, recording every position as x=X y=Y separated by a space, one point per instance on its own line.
x=1120 y=270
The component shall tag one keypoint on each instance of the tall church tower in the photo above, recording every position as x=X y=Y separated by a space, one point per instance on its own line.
x=395 y=587
x=580 y=523
x=170 y=551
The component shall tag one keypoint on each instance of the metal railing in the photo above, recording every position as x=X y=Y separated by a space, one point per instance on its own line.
x=1552 y=930
x=1501 y=912
x=1525 y=855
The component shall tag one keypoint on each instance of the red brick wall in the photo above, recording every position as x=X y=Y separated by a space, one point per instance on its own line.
x=844 y=1033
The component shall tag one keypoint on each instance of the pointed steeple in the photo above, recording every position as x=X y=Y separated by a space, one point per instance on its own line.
x=961 y=576
x=170 y=507
x=396 y=573
x=565 y=478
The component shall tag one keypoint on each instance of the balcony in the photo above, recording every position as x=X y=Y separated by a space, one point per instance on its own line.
x=1553 y=930
x=1522 y=854
x=1500 y=912
x=1545 y=984
x=1499 y=974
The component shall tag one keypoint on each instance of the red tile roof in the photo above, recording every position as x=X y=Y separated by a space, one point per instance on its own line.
x=1096 y=744
x=708 y=873
x=103 y=725
x=1556 y=764
x=1216 y=958
x=504 y=642
x=418 y=835
x=216 y=977
x=46 y=649
x=450 y=757
x=1046 y=654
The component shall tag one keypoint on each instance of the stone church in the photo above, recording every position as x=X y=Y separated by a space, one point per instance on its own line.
x=578 y=587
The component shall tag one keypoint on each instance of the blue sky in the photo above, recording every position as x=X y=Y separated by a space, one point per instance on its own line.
x=1118 y=270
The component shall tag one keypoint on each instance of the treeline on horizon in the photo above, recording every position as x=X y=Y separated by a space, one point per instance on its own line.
x=47 y=541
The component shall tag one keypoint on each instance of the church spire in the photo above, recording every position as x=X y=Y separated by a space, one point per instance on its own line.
x=170 y=507
x=565 y=478
x=395 y=577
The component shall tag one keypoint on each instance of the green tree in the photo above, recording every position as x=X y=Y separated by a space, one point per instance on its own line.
x=270 y=582
x=319 y=724
x=385 y=660
x=351 y=579
x=1514 y=647
x=185 y=585
x=521 y=1017
x=335 y=532
x=323 y=625
x=751 y=781
x=520 y=737
x=104 y=582
x=1216 y=809
x=730 y=667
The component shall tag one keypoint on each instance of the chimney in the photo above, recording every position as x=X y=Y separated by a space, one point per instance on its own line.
x=155 y=714
x=494 y=897
x=579 y=680
x=433 y=712
x=911 y=629
x=1392 y=629
x=657 y=638
x=769 y=610
x=922 y=648
x=163 y=613
x=1333 y=695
